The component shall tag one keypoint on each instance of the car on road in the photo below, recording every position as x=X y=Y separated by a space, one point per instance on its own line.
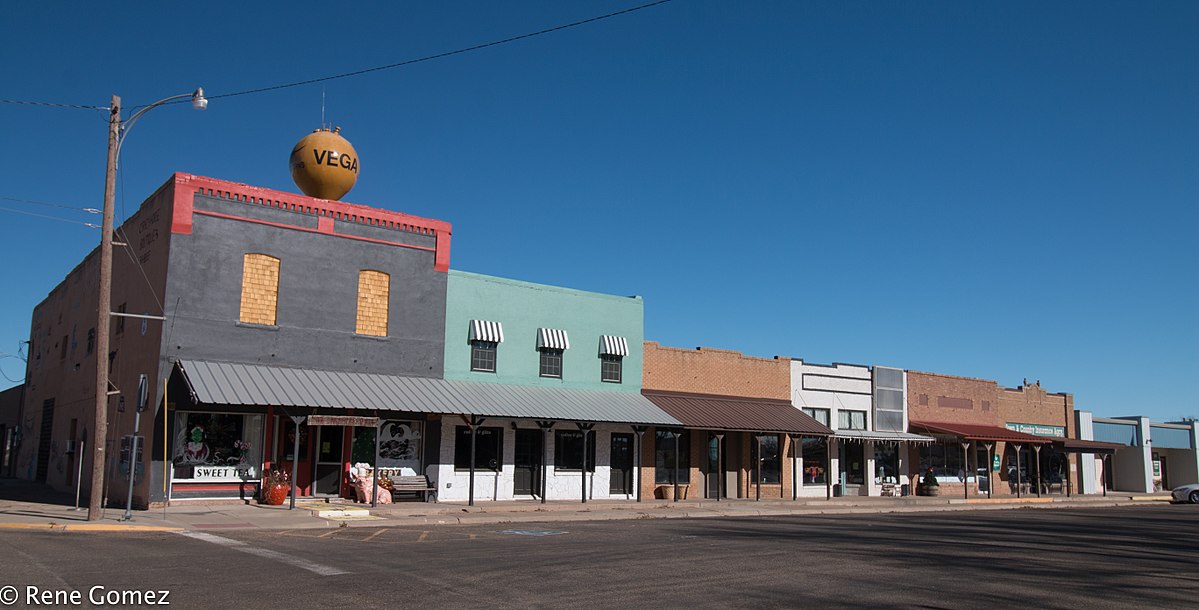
x=1187 y=493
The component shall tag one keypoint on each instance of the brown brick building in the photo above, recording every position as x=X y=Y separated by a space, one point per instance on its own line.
x=950 y=402
x=743 y=400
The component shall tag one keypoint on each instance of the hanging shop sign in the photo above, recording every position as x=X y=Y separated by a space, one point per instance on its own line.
x=342 y=420
x=1038 y=429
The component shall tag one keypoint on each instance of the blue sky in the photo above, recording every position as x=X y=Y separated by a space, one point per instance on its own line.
x=998 y=190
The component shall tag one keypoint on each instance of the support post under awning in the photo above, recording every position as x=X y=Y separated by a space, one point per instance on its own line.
x=640 y=432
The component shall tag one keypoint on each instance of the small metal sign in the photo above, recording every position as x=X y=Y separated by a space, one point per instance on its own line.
x=342 y=420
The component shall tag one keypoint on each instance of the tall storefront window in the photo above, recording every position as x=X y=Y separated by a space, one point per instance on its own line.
x=489 y=448
x=886 y=463
x=568 y=450
x=399 y=448
x=217 y=446
x=771 y=461
x=664 y=472
x=815 y=461
x=945 y=460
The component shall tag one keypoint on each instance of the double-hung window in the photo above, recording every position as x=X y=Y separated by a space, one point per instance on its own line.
x=485 y=338
x=612 y=351
x=552 y=344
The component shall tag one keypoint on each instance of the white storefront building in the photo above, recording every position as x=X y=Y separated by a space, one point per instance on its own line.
x=867 y=409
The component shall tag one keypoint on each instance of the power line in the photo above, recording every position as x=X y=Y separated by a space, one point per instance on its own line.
x=440 y=55
x=53 y=105
x=51 y=205
x=77 y=222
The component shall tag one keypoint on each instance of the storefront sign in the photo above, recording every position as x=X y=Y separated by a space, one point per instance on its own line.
x=1038 y=429
x=995 y=463
x=221 y=473
x=342 y=420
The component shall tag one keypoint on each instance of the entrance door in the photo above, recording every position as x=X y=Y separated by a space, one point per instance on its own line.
x=526 y=479
x=716 y=453
x=621 y=481
x=329 y=465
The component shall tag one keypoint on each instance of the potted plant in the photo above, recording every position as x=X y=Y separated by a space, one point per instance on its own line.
x=929 y=484
x=276 y=485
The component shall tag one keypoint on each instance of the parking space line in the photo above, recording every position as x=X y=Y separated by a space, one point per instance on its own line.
x=237 y=545
x=375 y=535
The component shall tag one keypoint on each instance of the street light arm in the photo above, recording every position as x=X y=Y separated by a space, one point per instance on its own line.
x=198 y=101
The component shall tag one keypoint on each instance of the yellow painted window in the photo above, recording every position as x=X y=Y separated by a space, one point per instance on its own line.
x=259 y=289
x=374 y=287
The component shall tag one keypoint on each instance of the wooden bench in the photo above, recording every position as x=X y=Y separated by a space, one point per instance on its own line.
x=418 y=484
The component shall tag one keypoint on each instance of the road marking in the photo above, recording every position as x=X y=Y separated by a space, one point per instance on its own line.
x=375 y=535
x=423 y=537
x=473 y=536
x=237 y=545
x=531 y=532
x=327 y=534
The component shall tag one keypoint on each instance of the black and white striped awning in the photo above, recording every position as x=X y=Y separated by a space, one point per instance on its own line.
x=484 y=330
x=613 y=346
x=552 y=338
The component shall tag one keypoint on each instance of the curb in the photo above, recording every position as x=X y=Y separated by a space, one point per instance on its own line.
x=87 y=527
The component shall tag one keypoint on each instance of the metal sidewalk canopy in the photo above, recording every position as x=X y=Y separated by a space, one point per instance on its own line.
x=977 y=432
x=884 y=436
x=736 y=414
x=224 y=383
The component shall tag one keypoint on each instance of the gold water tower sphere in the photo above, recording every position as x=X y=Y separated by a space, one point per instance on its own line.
x=324 y=164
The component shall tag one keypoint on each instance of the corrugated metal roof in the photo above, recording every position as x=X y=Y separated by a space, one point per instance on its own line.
x=224 y=383
x=710 y=412
x=978 y=432
x=879 y=435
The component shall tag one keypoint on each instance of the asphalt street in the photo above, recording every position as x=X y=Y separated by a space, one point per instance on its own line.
x=1141 y=556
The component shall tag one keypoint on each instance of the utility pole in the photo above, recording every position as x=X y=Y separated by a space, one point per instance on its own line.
x=103 y=309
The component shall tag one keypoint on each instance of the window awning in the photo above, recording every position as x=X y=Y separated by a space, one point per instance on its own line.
x=552 y=338
x=223 y=383
x=485 y=330
x=613 y=346
x=882 y=436
x=977 y=432
x=711 y=412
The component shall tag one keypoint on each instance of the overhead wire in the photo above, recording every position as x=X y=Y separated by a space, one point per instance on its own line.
x=53 y=104
x=418 y=60
x=48 y=217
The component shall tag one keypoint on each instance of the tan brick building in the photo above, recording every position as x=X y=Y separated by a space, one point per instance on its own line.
x=733 y=402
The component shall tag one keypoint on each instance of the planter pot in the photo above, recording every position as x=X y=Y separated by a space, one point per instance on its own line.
x=275 y=495
x=931 y=490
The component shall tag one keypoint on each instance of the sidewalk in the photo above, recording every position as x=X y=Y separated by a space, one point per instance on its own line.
x=26 y=505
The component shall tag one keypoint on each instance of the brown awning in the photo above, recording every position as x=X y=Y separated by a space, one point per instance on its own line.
x=1077 y=445
x=734 y=413
x=977 y=432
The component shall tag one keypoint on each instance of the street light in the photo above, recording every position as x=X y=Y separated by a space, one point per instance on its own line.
x=116 y=136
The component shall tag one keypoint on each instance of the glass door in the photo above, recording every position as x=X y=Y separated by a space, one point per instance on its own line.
x=329 y=464
x=526 y=478
x=621 y=481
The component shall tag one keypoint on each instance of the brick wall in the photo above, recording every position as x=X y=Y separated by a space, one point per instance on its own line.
x=259 y=289
x=946 y=398
x=373 y=290
x=1031 y=404
x=715 y=371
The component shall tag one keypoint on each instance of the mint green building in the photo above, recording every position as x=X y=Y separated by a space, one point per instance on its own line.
x=523 y=310
x=522 y=349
